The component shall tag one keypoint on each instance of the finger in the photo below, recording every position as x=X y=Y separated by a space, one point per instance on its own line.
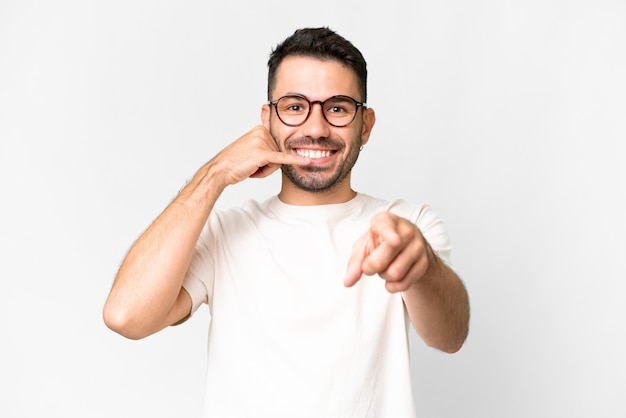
x=290 y=159
x=264 y=171
x=417 y=270
x=389 y=241
x=274 y=155
x=387 y=227
x=353 y=274
x=401 y=247
x=274 y=160
x=379 y=258
x=359 y=252
x=403 y=265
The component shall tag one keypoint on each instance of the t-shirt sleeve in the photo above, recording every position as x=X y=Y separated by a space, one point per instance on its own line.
x=434 y=231
x=199 y=277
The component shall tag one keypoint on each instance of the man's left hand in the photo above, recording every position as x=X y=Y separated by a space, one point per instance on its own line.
x=393 y=248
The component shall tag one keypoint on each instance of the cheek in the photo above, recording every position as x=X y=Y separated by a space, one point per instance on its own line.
x=355 y=136
x=279 y=133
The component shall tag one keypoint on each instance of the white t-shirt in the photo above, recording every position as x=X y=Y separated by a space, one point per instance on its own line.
x=287 y=338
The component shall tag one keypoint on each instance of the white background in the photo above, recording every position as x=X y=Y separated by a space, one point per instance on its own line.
x=508 y=117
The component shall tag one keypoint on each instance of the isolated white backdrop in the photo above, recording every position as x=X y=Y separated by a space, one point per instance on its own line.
x=508 y=117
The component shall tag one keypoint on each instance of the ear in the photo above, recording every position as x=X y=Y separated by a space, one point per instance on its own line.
x=266 y=112
x=369 y=119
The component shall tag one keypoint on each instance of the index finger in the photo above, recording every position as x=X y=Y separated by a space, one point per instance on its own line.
x=360 y=252
x=354 y=272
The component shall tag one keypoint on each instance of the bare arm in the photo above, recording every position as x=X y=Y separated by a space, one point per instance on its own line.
x=438 y=306
x=435 y=297
x=147 y=294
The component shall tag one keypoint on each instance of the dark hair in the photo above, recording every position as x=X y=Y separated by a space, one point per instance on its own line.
x=320 y=43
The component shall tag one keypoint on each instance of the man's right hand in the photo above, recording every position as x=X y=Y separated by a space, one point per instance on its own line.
x=255 y=154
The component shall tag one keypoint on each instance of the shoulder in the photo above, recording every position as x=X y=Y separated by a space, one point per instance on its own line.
x=225 y=221
x=416 y=213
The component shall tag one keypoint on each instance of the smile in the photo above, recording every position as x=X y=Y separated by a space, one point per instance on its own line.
x=313 y=153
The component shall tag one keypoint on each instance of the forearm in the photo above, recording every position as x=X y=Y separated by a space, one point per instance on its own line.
x=150 y=278
x=438 y=306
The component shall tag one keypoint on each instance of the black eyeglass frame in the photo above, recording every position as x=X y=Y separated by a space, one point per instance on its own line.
x=321 y=103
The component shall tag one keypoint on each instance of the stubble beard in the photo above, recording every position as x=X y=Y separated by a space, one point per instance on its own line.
x=314 y=179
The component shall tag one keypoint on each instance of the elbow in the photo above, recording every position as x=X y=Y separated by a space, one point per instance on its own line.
x=452 y=348
x=448 y=347
x=121 y=322
x=454 y=344
x=450 y=342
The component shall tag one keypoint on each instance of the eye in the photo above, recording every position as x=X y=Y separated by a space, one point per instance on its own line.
x=292 y=104
x=294 y=108
x=339 y=106
x=337 y=109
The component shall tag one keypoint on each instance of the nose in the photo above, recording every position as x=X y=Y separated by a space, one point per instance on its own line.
x=316 y=125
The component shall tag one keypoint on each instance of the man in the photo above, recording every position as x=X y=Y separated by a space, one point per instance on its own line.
x=298 y=329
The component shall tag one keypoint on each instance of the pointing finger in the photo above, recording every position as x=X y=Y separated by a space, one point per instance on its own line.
x=359 y=253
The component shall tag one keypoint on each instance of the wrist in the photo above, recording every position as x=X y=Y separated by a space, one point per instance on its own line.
x=432 y=271
x=211 y=177
x=202 y=190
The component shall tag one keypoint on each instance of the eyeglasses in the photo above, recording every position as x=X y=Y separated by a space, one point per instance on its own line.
x=294 y=109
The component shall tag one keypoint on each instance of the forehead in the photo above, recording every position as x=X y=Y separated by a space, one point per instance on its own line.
x=315 y=78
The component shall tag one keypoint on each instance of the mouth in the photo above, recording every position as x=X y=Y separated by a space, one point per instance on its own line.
x=314 y=154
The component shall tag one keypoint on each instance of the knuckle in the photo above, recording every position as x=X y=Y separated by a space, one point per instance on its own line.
x=377 y=265
x=393 y=287
x=382 y=218
x=394 y=273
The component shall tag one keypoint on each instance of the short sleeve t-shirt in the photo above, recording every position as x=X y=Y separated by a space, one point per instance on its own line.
x=287 y=338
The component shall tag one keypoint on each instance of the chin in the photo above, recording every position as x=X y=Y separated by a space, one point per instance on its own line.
x=314 y=182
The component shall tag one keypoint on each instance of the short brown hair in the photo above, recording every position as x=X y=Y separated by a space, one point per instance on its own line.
x=320 y=43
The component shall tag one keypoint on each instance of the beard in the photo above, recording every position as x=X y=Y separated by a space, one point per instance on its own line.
x=318 y=179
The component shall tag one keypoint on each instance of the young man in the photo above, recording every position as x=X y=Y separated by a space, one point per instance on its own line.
x=298 y=329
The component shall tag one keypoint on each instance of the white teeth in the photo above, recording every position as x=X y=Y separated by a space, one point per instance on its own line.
x=313 y=153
